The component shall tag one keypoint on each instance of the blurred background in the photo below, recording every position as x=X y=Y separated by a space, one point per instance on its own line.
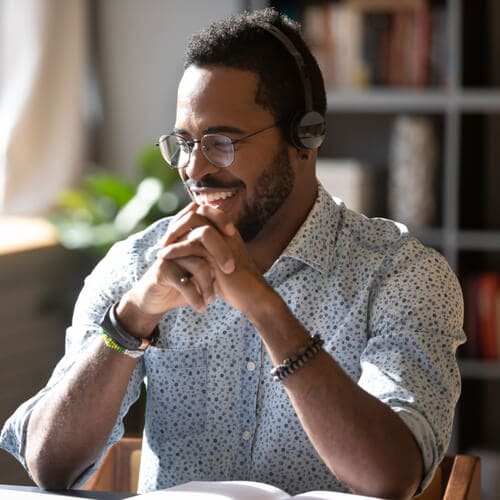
x=88 y=86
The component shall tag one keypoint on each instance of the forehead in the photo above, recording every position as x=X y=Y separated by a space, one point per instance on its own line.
x=215 y=96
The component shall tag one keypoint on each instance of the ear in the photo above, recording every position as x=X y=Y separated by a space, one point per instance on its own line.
x=300 y=157
x=299 y=154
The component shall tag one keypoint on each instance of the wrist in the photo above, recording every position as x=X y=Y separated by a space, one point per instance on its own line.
x=133 y=320
x=281 y=331
x=260 y=302
x=118 y=338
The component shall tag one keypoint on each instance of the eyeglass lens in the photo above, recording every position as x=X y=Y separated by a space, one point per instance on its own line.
x=217 y=149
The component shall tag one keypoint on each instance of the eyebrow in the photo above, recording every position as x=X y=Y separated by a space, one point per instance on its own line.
x=213 y=130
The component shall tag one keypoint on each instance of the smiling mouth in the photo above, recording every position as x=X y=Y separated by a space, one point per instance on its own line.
x=207 y=198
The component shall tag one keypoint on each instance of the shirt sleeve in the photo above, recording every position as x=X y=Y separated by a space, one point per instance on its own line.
x=416 y=326
x=105 y=285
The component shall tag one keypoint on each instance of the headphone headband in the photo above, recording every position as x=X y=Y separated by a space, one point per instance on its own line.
x=308 y=128
x=301 y=65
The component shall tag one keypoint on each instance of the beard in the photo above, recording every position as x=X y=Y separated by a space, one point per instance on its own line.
x=271 y=190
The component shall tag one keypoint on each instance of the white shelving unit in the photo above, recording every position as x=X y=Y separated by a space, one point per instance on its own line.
x=479 y=369
x=451 y=104
x=424 y=101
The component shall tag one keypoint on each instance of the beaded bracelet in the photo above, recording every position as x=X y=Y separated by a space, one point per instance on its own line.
x=115 y=346
x=293 y=363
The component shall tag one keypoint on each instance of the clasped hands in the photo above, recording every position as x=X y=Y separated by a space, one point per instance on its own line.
x=202 y=244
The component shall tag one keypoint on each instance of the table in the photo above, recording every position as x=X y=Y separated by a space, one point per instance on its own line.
x=100 y=495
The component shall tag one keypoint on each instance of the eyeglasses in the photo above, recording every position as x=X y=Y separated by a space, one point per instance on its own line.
x=218 y=149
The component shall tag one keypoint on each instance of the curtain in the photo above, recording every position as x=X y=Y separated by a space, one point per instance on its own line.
x=42 y=133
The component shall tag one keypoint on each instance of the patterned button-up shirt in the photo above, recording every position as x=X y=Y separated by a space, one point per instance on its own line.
x=389 y=309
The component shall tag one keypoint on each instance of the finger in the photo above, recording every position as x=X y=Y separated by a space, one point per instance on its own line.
x=176 y=276
x=175 y=222
x=200 y=216
x=200 y=273
x=190 y=207
x=206 y=242
x=181 y=226
x=218 y=218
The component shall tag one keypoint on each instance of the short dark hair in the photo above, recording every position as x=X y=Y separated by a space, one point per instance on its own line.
x=240 y=42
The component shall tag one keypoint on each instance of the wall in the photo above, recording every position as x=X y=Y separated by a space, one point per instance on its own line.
x=141 y=47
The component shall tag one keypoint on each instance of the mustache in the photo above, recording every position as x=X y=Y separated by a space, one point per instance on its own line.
x=211 y=182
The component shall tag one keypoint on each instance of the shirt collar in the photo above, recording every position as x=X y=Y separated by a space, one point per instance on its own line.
x=314 y=242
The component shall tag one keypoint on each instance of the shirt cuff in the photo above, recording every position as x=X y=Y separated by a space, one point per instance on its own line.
x=424 y=436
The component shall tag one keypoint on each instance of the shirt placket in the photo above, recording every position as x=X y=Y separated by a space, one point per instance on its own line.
x=250 y=376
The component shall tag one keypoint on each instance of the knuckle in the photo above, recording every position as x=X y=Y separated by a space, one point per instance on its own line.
x=206 y=232
x=203 y=210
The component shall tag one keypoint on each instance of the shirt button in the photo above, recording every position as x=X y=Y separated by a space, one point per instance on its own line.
x=251 y=366
x=246 y=435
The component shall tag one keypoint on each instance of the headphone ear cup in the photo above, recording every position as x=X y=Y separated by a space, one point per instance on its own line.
x=307 y=130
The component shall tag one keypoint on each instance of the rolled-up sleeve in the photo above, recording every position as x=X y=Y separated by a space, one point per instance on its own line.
x=416 y=326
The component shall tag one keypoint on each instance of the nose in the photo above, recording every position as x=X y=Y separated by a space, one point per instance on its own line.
x=198 y=165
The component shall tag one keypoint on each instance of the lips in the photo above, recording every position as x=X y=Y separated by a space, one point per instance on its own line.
x=212 y=198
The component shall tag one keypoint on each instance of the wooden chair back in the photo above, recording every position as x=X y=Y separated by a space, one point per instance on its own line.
x=119 y=470
x=458 y=477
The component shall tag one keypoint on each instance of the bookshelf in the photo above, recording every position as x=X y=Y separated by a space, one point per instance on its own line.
x=466 y=229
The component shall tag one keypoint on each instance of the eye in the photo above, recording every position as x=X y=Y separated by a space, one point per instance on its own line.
x=223 y=145
x=220 y=143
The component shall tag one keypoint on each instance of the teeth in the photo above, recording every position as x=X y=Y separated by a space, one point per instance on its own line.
x=209 y=197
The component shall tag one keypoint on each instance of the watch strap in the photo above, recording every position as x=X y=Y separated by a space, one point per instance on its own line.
x=113 y=329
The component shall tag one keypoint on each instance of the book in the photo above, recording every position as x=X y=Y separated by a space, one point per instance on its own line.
x=194 y=490
x=471 y=349
x=487 y=290
x=482 y=315
x=240 y=490
x=361 y=43
x=413 y=165
x=490 y=214
x=347 y=67
x=318 y=33
x=356 y=183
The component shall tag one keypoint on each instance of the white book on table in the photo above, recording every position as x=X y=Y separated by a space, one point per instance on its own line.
x=239 y=490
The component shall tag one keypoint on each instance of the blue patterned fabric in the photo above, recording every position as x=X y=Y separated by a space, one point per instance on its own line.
x=390 y=311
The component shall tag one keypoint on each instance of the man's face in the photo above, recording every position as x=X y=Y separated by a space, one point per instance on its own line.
x=259 y=181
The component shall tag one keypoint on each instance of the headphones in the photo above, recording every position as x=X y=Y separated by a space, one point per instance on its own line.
x=308 y=128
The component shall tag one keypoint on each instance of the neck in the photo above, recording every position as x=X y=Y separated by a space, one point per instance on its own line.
x=280 y=229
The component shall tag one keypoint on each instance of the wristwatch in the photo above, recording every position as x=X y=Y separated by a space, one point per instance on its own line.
x=113 y=329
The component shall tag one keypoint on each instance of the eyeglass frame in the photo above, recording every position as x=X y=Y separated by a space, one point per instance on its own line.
x=191 y=144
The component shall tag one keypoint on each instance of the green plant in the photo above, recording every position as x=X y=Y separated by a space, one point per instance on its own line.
x=108 y=208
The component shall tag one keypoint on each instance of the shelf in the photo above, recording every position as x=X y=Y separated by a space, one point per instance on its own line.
x=479 y=100
x=479 y=240
x=428 y=100
x=479 y=369
x=486 y=241
x=429 y=236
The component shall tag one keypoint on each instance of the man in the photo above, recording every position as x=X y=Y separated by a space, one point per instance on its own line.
x=262 y=267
